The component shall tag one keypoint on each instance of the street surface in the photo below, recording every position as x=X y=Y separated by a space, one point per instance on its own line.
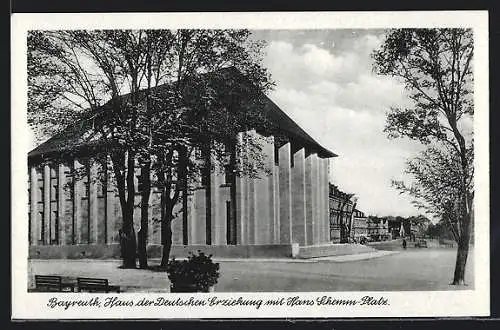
x=411 y=269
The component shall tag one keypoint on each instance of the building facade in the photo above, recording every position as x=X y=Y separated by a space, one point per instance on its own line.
x=341 y=209
x=378 y=229
x=359 y=225
x=80 y=216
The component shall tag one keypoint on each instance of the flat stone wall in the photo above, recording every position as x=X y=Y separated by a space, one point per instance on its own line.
x=328 y=250
x=112 y=251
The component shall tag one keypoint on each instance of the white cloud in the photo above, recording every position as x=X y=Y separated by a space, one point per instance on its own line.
x=337 y=99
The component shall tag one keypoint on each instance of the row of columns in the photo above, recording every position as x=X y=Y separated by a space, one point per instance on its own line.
x=66 y=209
x=287 y=203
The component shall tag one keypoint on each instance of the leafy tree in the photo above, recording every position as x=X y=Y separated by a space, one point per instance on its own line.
x=89 y=68
x=167 y=114
x=435 y=66
x=216 y=92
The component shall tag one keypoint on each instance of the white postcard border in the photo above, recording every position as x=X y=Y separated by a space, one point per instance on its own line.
x=401 y=304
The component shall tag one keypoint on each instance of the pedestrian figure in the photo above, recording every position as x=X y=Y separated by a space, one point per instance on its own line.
x=404 y=243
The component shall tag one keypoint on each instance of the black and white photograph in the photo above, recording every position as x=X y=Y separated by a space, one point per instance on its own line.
x=249 y=163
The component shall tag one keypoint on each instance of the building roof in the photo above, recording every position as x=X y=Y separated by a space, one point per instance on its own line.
x=81 y=135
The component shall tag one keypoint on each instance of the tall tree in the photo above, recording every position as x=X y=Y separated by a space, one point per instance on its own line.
x=216 y=93
x=180 y=99
x=83 y=70
x=435 y=66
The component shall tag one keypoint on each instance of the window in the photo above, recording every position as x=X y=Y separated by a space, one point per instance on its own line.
x=276 y=155
x=54 y=227
x=100 y=189
x=71 y=190
x=205 y=178
x=86 y=188
x=41 y=232
x=55 y=192
x=29 y=227
x=140 y=183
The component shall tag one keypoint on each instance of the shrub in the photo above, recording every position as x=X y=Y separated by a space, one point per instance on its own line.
x=198 y=273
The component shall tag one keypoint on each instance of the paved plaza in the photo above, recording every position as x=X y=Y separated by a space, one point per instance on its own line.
x=412 y=270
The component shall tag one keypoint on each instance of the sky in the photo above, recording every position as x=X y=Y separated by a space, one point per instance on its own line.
x=324 y=81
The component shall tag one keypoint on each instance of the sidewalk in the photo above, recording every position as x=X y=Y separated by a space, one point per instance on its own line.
x=358 y=256
x=341 y=258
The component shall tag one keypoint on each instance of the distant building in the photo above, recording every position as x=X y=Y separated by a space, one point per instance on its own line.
x=359 y=225
x=378 y=228
x=341 y=208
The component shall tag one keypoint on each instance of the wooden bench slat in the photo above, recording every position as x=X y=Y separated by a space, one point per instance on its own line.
x=51 y=282
x=95 y=284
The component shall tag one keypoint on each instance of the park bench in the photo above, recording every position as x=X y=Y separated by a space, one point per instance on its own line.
x=421 y=243
x=51 y=283
x=95 y=285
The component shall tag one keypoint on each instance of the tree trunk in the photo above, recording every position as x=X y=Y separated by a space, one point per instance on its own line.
x=143 y=232
x=127 y=240
x=462 y=252
x=127 y=235
x=461 y=261
x=167 y=240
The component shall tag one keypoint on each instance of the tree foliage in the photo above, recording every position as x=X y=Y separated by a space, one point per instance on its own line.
x=435 y=66
x=149 y=98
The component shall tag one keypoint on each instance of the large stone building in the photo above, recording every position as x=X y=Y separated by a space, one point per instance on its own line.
x=281 y=213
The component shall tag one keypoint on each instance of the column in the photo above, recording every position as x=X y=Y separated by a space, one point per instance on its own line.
x=191 y=218
x=299 y=199
x=61 y=181
x=322 y=205
x=284 y=193
x=270 y=194
x=35 y=224
x=318 y=200
x=276 y=194
x=241 y=209
x=93 y=203
x=111 y=200
x=326 y=224
x=263 y=199
x=46 y=203
x=252 y=191
x=177 y=223
x=309 y=200
x=199 y=217
x=67 y=199
x=218 y=216
x=251 y=205
x=314 y=195
x=77 y=193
